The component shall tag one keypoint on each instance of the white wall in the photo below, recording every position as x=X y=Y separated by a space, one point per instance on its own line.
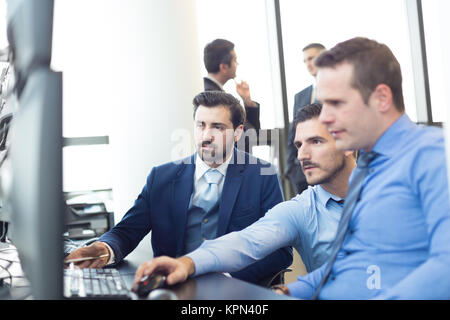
x=132 y=66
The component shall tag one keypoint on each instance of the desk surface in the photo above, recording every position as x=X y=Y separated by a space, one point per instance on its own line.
x=213 y=286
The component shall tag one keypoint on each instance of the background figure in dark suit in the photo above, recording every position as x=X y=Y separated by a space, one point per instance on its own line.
x=221 y=63
x=302 y=98
x=174 y=205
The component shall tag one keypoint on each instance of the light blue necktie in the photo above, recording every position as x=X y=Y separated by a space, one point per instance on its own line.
x=352 y=197
x=209 y=194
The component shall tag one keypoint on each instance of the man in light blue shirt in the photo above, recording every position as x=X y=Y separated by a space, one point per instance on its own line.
x=308 y=222
x=397 y=245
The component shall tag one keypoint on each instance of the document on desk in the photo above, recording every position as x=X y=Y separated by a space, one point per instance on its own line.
x=86 y=258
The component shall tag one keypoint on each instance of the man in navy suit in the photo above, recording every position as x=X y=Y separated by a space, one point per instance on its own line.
x=175 y=204
x=302 y=98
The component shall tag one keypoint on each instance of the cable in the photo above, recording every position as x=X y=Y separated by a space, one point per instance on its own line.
x=9 y=273
x=16 y=277
x=3 y=222
x=12 y=261
x=11 y=277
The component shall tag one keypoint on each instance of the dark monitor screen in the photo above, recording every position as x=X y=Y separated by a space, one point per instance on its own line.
x=36 y=197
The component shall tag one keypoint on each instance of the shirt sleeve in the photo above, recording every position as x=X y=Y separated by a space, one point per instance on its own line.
x=252 y=117
x=306 y=285
x=111 y=255
x=234 y=251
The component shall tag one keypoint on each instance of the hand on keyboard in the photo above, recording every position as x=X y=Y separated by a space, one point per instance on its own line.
x=95 y=255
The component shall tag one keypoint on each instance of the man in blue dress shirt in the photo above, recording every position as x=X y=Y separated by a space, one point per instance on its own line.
x=397 y=244
x=307 y=222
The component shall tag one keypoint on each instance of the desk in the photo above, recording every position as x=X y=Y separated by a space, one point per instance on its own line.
x=213 y=286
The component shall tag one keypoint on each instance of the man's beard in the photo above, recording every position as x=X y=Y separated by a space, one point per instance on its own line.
x=211 y=156
x=329 y=175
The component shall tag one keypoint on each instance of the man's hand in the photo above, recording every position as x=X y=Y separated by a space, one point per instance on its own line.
x=176 y=270
x=281 y=289
x=96 y=249
x=243 y=90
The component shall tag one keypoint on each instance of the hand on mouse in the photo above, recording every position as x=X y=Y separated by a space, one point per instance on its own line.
x=96 y=249
x=176 y=270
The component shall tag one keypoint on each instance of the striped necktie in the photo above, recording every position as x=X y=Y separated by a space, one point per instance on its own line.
x=352 y=197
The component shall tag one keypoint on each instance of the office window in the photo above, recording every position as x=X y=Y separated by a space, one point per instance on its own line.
x=248 y=24
x=85 y=70
x=89 y=79
x=330 y=22
x=434 y=59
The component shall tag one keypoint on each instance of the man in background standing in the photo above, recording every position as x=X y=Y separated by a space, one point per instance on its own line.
x=221 y=63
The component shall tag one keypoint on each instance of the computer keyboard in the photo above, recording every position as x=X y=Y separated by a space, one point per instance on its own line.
x=94 y=284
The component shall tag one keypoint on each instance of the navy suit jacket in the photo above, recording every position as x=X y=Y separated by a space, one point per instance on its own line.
x=293 y=169
x=163 y=204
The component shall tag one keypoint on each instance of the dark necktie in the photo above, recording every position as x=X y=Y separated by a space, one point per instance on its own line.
x=352 y=197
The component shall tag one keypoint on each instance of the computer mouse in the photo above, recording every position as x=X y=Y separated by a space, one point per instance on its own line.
x=162 y=294
x=149 y=283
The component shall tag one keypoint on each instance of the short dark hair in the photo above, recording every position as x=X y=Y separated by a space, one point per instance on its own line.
x=217 y=52
x=315 y=46
x=219 y=98
x=308 y=112
x=373 y=63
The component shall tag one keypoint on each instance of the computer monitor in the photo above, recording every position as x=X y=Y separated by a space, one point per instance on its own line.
x=36 y=197
x=29 y=31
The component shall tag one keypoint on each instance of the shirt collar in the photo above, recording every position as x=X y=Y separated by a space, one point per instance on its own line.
x=201 y=167
x=324 y=196
x=215 y=81
x=394 y=136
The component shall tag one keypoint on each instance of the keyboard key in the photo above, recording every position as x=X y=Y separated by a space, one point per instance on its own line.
x=95 y=284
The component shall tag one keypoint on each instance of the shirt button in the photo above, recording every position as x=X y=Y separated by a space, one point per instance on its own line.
x=333 y=278
x=205 y=220
x=203 y=238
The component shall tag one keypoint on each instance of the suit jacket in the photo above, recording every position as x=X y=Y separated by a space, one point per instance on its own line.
x=293 y=170
x=252 y=118
x=163 y=204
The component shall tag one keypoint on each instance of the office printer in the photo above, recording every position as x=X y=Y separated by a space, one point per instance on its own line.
x=88 y=215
